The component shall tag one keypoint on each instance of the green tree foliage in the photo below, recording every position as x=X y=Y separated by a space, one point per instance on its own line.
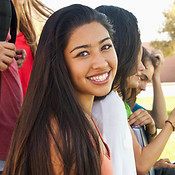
x=167 y=46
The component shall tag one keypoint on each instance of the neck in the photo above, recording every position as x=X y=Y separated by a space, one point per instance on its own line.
x=86 y=102
x=18 y=31
x=128 y=92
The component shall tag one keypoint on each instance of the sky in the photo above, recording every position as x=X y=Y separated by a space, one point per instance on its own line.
x=149 y=13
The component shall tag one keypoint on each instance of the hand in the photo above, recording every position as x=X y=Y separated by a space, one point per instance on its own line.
x=172 y=117
x=20 y=57
x=164 y=163
x=7 y=52
x=159 y=61
x=140 y=117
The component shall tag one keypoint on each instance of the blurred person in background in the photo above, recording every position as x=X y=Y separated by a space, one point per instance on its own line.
x=153 y=62
x=29 y=11
x=11 y=90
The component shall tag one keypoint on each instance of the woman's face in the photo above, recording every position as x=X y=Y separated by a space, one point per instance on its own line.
x=133 y=80
x=146 y=75
x=91 y=60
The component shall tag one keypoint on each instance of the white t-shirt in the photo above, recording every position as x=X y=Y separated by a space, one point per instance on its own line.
x=111 y=118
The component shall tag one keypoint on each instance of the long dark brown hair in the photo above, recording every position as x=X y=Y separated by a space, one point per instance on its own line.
x=51 y=97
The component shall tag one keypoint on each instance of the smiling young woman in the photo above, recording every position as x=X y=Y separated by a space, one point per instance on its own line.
x=55 y=133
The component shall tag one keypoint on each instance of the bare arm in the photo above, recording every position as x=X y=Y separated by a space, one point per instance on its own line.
x=159 y=111
x=147 y=156
x=56 y=159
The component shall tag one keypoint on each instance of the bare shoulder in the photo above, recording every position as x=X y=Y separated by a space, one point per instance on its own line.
x=55 y=139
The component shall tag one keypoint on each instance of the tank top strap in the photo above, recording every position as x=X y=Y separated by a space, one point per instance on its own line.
x=106 y=146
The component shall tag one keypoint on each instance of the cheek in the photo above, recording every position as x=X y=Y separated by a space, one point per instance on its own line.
x=116 y=63
x=132 y=82
x=75 y=72
x=135 y=82
x=129 y=82
x=78 y=70
x=113 y=61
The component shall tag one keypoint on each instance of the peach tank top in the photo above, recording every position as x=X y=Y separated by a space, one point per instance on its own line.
x=107 y=167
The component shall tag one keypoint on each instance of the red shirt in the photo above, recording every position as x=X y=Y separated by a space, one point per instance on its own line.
x=10 y=104
x=26 y=69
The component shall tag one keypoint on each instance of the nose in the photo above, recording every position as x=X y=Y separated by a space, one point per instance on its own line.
x=99 y=61
x=141 y=67
x=143 y=85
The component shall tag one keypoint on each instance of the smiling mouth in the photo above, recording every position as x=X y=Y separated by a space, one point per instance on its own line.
x=100 y=78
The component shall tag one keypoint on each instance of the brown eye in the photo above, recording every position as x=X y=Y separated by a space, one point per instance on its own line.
x=82 y=54
x=106 y=47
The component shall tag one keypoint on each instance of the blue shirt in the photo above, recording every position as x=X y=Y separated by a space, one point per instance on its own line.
x=136 y=107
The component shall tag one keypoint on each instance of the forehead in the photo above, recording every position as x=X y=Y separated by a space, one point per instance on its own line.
x=148 y=71
x=148 y=64
x=87 y=34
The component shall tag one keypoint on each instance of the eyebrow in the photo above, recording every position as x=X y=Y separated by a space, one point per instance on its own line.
x=85 y=46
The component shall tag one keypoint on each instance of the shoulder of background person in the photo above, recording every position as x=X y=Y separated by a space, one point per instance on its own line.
x=136 y=107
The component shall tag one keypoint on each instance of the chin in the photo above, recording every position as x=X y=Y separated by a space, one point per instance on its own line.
x=103 y=94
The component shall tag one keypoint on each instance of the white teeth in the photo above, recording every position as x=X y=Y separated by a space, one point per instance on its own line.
x=99 y=78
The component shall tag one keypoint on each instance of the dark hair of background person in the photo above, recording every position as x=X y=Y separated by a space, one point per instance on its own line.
x=7 y=20
x=148 y=56
x=25 y=15
x=51 y=97
x=126 y=41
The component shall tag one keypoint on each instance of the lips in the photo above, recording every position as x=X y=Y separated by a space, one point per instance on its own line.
x=100 y=79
